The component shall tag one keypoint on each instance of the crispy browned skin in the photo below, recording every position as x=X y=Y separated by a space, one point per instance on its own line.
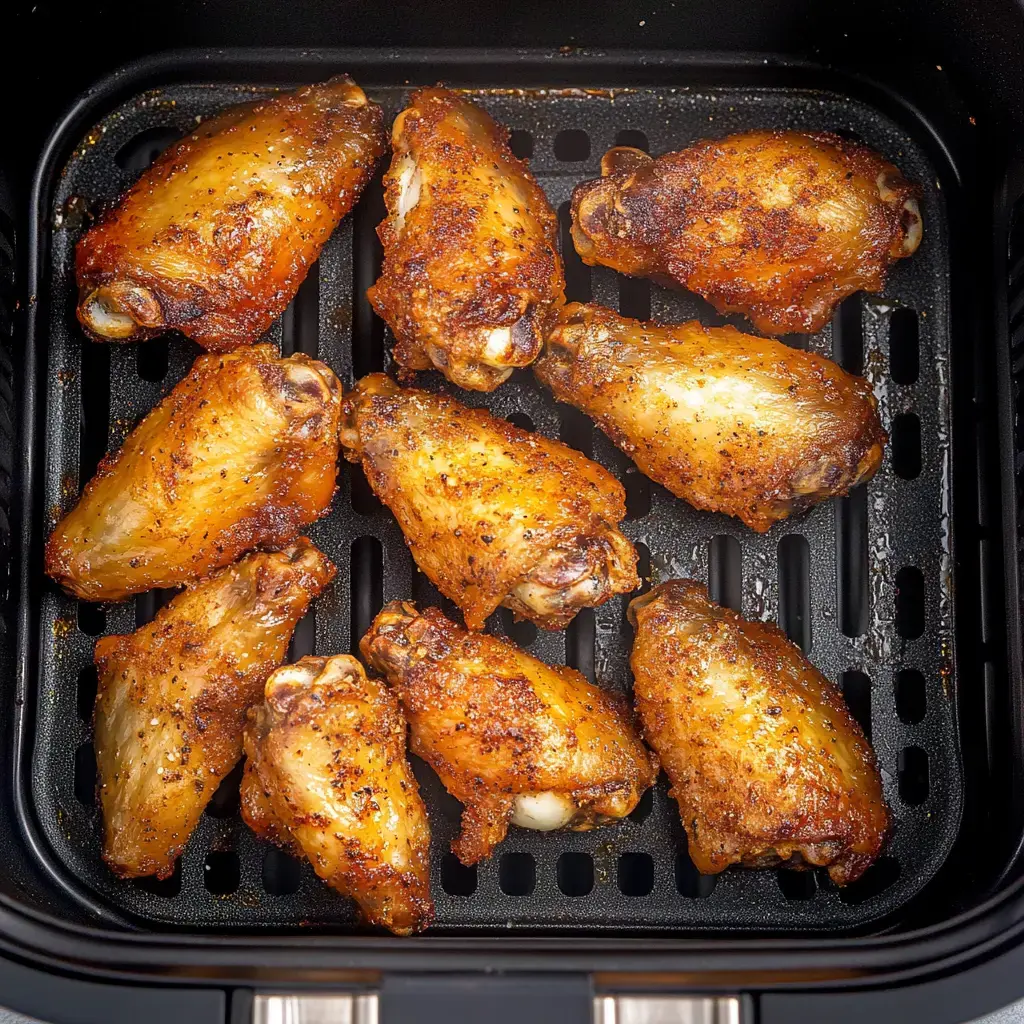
x=328 y=745
x=471 y=262
x=494 y=515
x=173 y=695
x=242 y=453
x=766 y=762
x=778 y=225
x=729 y=422
x=216 y=237
x=513 y=739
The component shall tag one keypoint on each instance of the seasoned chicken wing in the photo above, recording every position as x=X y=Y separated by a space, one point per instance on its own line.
x=766 y=763
x=494 y=515
x=778 y=225
x=216 y=237
x=172 y=699
x=730 y=423
x=242 y=453
x=513 y=739
x=328 y=747
x=471 y=262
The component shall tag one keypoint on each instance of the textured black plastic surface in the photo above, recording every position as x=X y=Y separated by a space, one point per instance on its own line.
x=864 y=583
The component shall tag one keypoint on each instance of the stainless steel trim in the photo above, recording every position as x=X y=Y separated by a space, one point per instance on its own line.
x=316 y=1008
x=641 y=1009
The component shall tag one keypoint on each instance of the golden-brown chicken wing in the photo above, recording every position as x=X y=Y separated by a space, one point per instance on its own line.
x=778 y=225
x=328 y=745
x=729 y=422
x=471 y=263
x=513 y=739
x=766 y=763
x=242 y=453
x=172 y=699
x=494 y=515
x=216 y=237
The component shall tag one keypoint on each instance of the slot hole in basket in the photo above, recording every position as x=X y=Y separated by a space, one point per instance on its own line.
x=795 y=589
x=909 y=602
x=580 y=638
x=690 y=882
x=797 y=885
x=221 y=872
x=149 y=603
x=575 y=874
x=913 y=775
x=95 y=410
x=906 y=445
x=92 y=619
x=517 y=874
x=883 y=874
x=572 y=145
x=167 y=888
x=633 y=137
x=225 y=802
x=367 y=586
x=303 y=640
x=857 y=694
x=904 y=348
x=638 y=493
x=300 y=323
x=85 y=775
x=151 y=359
x=852 y=562
x=522 y=421
x=141 y=150
x=635 y=298
x=367 y=256
x=725 y=572
x=88 y=684
x=522 y=633
x=643 y=570
x=578 y=286
x=456 y=878
x=848 y=336
x=636 y=874
x=643 y=808
x=521 y=143
x=364 y=501
x=911 y=699
x=281 y=873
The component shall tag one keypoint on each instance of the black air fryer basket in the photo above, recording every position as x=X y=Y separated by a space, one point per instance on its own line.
x=906 y=592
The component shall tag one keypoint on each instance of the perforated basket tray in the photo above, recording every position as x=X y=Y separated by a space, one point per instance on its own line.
x=863 y=584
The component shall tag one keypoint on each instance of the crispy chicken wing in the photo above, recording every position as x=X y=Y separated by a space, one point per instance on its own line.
x=216 y=237
x=242 y=453
x=778 y=225
x=328 y=746
x=766 y=763
x=471 y=263
x=172 y=699
x=729 y=422
x=494 y=515
x=513 y=739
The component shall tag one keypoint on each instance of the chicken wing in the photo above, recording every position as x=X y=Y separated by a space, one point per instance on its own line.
x=513 y=739
x=242 y=453
x=494 y=515
x=328 y=746
x=172 y=699
x=729 y=422
x=780 y=226
x=766 y=763
x=216 y=237
x=471 y=262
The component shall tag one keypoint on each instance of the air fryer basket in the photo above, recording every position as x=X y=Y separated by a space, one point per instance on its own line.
x=863 y=584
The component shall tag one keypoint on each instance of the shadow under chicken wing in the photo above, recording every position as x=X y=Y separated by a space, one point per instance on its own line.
x=515 y=740
x=766 y=762
x=471 y=262
x=327 y=746
x=494 y=515
x=173 y=695
x=779 y=225
x=728 y=422
x=242 y=453
x=216 y=237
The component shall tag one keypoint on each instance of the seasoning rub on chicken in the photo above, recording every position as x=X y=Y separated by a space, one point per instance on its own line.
x=493 y=514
